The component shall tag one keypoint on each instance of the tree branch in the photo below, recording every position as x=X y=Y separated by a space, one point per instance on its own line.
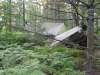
x=28 y=31
x=84 y=3
x=95 y=57
x=97 y=47
x=96 y=4
x=59 y=10
x=51 y=18
x=92 y=2
x=76 y=10
x=50 y=8
x=97 y=37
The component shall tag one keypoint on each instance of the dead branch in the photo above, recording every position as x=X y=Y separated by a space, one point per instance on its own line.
x=97 y=37
x=28 y=31
x=51 y=18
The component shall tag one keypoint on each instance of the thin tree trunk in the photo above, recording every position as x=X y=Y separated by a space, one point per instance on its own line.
x=24 y=13
x=5 y=22
x=71 y=21
x=57 y=13
x=47 y=11
x=90 y=41
x=19 y=13
x=10 y=16
x=75 y=20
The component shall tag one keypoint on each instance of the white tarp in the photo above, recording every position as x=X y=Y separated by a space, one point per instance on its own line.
x=65 y=35
x=53 y=28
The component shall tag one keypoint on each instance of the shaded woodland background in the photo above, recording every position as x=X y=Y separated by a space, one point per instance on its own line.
x=23 y=49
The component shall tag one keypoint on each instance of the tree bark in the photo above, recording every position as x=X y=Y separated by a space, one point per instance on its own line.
x=90 y=40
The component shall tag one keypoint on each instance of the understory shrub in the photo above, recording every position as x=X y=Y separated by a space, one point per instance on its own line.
x=48 y=49
x=21 y=56
x=14 y=37
x=18 y=61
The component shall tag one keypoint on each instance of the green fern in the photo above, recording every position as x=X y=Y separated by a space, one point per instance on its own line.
x=18 y=61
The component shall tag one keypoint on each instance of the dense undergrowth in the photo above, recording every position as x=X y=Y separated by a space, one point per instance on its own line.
x=21 y=56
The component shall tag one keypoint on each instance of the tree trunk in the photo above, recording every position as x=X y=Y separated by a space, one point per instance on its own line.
x=71 y=17
x=90 y=40
x=57 y=13
x=10 y=16
x=47 y=11
x=75 y=20
x=24 y=13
